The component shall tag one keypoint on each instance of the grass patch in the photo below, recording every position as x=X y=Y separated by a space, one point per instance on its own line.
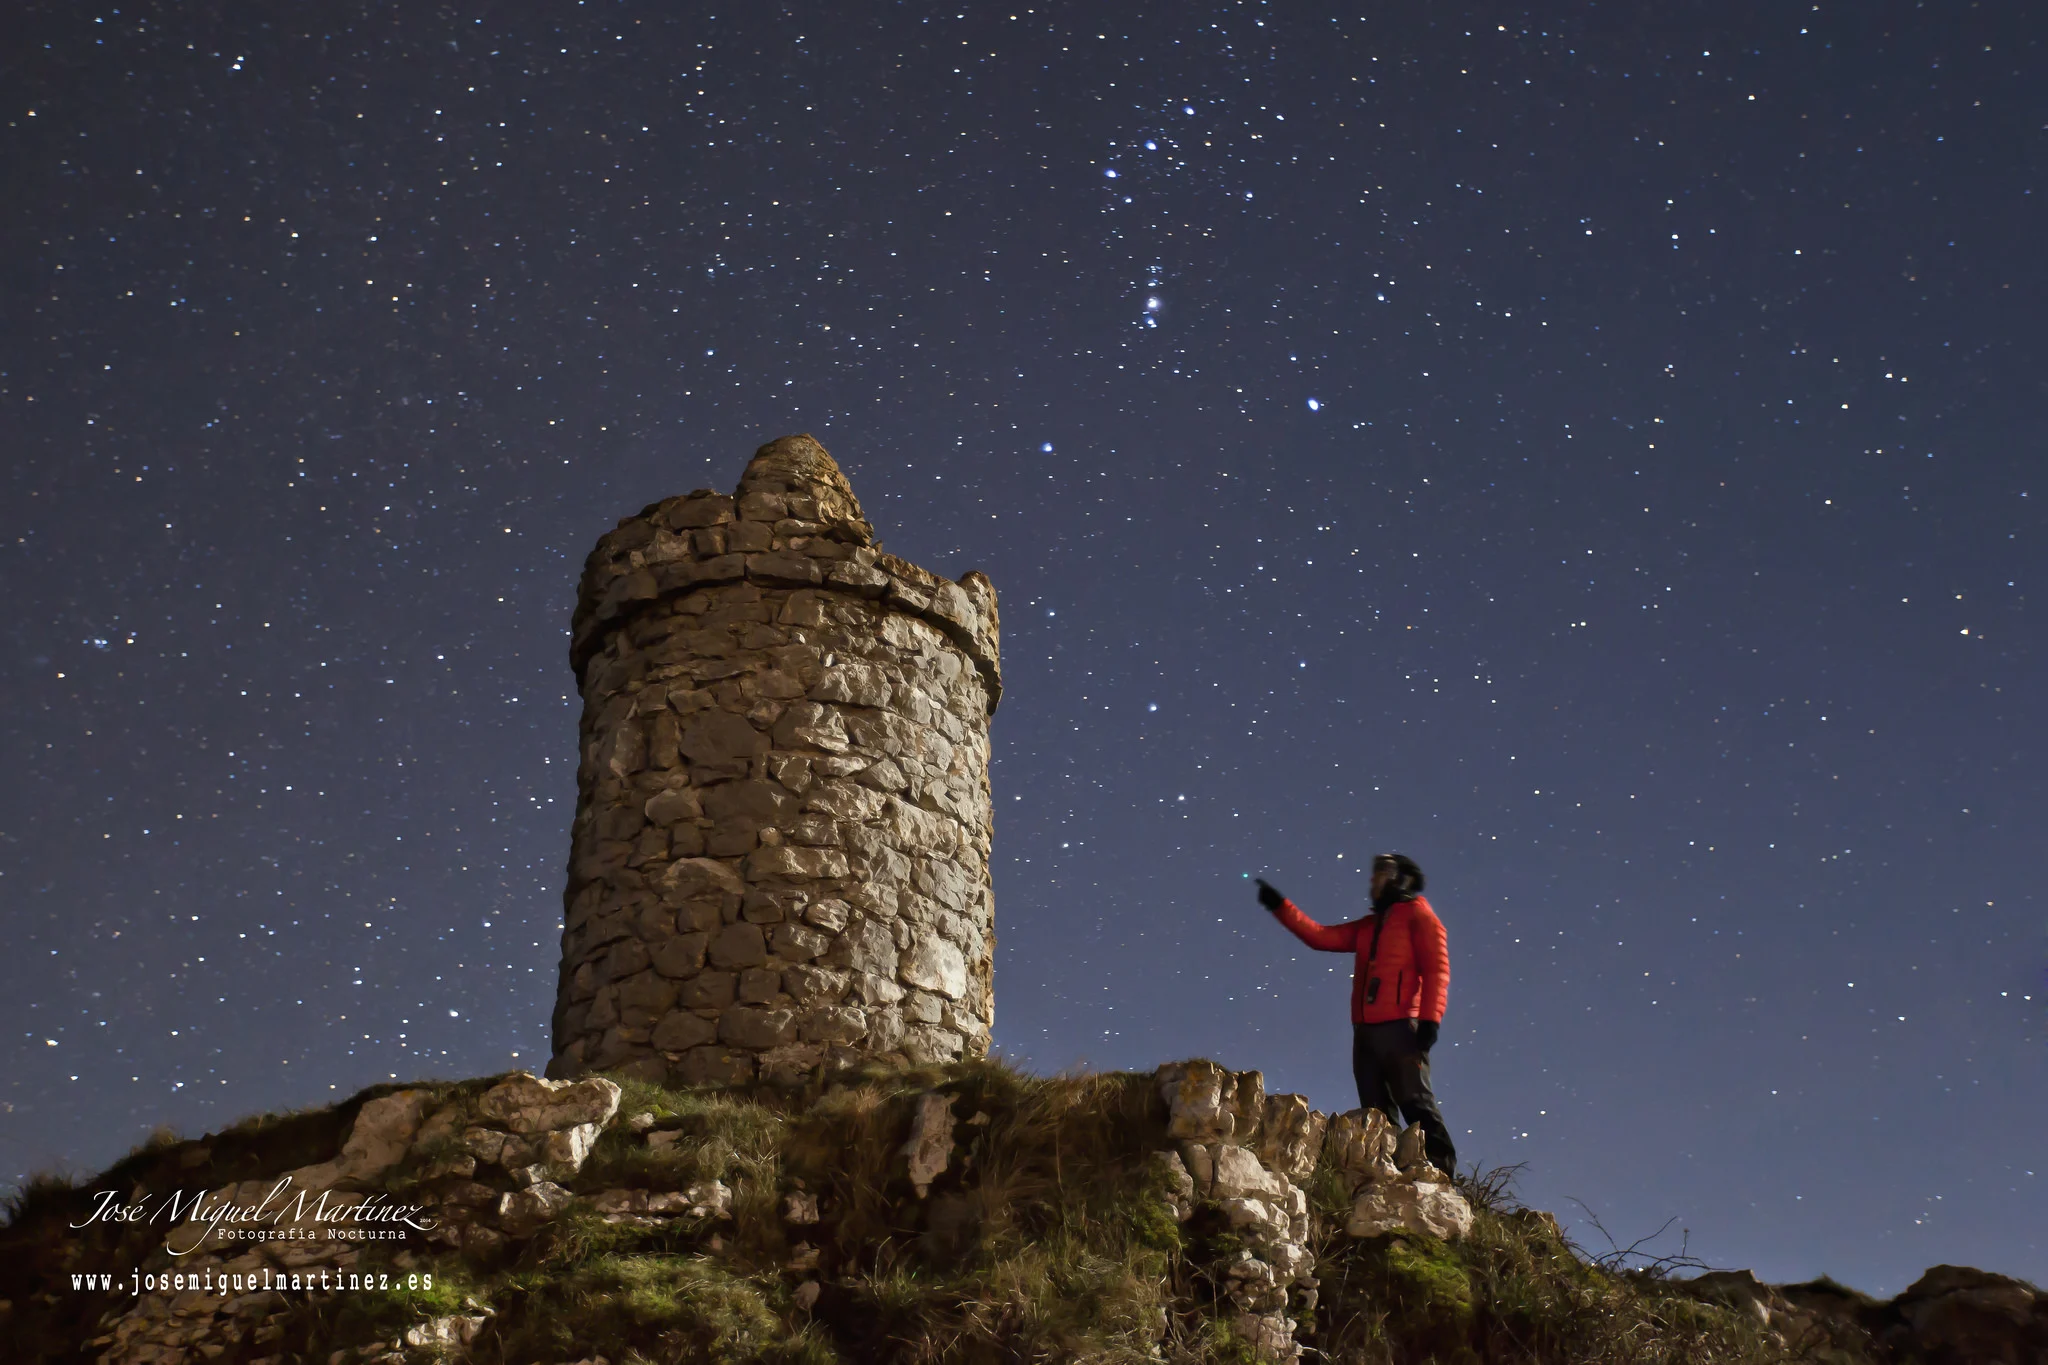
x=1515 y=1291
x=653 y=1308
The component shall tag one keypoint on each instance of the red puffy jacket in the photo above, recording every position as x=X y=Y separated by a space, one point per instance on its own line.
x=1412 y=963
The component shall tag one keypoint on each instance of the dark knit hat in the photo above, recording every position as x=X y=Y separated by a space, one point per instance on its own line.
x=1408 y=878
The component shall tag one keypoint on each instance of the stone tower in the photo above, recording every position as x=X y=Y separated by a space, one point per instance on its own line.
x=780 y=855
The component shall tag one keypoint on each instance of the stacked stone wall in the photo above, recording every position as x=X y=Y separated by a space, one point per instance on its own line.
x=780 y=857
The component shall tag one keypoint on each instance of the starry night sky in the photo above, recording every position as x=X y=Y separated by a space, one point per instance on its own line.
x=1600 y=456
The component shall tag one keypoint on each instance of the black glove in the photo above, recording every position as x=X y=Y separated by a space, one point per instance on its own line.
x=1268 y=897
x=1425 y=1033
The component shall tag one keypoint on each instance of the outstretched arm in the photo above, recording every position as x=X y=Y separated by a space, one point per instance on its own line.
x=1329 y=938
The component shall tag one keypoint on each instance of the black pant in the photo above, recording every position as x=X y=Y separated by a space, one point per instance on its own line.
x=1393 y=1077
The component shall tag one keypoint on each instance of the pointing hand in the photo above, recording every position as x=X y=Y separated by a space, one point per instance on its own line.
x=1268 y=897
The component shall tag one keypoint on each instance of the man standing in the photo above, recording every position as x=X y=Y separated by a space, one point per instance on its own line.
x=1398 y=991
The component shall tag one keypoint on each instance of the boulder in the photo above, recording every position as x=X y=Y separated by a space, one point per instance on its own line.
x=1238 y=1175
x=1291 y=1136
x=1360 y=1145
x=446 y=1333
x=384 y=1128
x=1423 y=1206
x=1200 y=1099
x=935 y=965
x=1411 y=1156
x=930 y=1146
x=521 y=1212
x=524 y=1103
x=1177 y=1185
x=1958 y=1314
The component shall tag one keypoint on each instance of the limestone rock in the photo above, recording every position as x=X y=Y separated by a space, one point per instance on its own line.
x=1412 y=1205
x=705 y=1199
x=446 y=1332
x=1738 y=1289
x=562 y=1153
x=521 y=1212
x=1179 y=1186
x=383 y=1130
x=1957 y=1313
x=930 y=1147
x=935 y=965
x=1410 y=1149
x=1360 y=1145
x=1270 y=1336
x=1200 y=1097
x=647 y=1208
x=1238 y=1174
x=524 y=1103
x=1291 y=1136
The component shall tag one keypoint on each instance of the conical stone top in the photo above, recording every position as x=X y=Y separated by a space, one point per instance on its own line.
x=792 y=523
x=808 y=483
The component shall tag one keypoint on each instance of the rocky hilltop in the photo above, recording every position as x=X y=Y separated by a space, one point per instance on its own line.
x=948 y=1212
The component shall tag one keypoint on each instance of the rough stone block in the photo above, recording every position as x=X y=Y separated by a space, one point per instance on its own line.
x=625 y=958
x=749 y=538
x=783 y=569
x=843 y=1024
x=1239 y=1175
x=733 y=839
x=761 y=801
x=1199 y=1096
x=702 y=917
x=681 y=1032
x=925 y=1044
x=773 y=905
x=828 y=915
x=794 y=943
x=720 y=742
x=711 y=990
x=522 y=1212
x=682 y=955
x=807 y=725
x=524 y=1103
x=867 y=947
x=713 y=1065
x=791 y=1064
x=883 y=775
x=691 y=879
x=673 y=806
x=645 y=998
x=756 y=1028
x=844 y=800
x=797 y=862
x=1385 y=1206
x=1360 y=1145
x=712 y=509
x=814 y=985
x=738 y=945
x=1291 y=1137
x=760 y=986
x=857 y=684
